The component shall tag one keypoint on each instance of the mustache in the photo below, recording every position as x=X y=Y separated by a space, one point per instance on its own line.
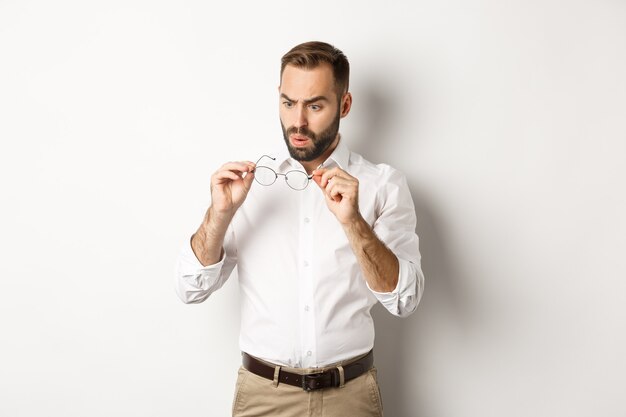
x=302 y=130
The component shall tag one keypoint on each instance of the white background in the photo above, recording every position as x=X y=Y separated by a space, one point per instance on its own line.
x=508 y=118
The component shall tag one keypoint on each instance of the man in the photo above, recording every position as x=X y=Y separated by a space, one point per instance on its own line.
x=312 y=259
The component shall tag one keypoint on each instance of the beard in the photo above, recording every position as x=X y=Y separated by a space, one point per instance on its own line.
x=320 y=141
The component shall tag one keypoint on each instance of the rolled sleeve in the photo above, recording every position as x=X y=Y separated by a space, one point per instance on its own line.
x=403 y=300
x=195 y=282
x=395 y=227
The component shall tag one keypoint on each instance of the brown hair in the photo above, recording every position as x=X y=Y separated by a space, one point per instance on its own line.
x=310 y=55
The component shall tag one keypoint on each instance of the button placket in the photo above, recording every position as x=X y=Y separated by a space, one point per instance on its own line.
x=309 y=342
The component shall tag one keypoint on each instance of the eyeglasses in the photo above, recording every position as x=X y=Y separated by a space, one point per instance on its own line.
x=298 y=180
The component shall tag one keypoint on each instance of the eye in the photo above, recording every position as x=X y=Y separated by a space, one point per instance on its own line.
x=288 y=104
x=315 y=107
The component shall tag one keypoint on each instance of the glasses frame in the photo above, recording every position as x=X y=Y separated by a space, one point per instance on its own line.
x=309 y=177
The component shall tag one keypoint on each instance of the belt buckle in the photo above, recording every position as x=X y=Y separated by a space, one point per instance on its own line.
x=311 y=382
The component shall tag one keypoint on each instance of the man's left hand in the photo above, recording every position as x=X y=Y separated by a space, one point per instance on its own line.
x=341 y=191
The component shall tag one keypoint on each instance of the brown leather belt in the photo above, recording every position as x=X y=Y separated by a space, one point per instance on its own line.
x=309 y=382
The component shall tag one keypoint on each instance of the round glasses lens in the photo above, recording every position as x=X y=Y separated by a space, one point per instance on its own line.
x=297 y=180
x=265 y=175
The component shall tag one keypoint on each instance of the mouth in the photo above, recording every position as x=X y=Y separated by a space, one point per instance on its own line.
x=299 y=141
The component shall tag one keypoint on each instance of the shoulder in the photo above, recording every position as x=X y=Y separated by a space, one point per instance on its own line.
x=384 y=186
x=377 y=175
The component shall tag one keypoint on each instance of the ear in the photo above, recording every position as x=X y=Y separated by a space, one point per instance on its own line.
x=346 y=104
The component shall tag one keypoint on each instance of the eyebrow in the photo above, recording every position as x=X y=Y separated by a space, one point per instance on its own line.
x=307 y=101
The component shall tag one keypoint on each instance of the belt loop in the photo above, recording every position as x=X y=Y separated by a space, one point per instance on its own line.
x=276 y=372
x=342 y=377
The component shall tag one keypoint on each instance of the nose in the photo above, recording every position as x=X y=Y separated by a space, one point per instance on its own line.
x=301 y=119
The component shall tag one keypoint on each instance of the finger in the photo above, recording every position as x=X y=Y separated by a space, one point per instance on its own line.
x=326 y=179
x=328 y=175
x=332 y=190
x=325 y=189
x=225 y=176
x=328 y=193
x=324 y=175
x=335 y=181
x=231 y=171
x=344 y=175
x=245 y=166
x=317 y=179
x=319 y=171
x=341 y=188
x=335 y=195
x=247 y=180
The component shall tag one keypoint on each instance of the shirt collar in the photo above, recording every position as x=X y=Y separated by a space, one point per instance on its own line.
x=340 y=156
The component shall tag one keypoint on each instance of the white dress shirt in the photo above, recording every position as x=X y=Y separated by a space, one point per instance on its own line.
x=304 y=300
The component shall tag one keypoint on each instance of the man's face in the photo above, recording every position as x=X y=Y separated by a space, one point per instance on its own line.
x=309 y=111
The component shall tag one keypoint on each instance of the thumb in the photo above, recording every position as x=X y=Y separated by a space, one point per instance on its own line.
x=318 y=180
x=247 y=180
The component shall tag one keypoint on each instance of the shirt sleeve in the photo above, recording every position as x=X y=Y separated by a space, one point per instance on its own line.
x=195 y=282
x=395 y=226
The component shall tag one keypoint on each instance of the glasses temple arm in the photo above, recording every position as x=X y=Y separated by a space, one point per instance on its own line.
x=264 y=156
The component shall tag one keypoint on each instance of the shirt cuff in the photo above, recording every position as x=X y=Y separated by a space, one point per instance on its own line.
x=404 y=288
x=194 y=274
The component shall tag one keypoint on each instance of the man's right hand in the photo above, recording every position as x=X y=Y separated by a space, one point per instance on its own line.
x=229 y=187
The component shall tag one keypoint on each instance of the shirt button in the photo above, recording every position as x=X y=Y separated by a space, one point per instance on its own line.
x=306 y=220
x=306 y=263
x=309 y=353
x=306 y=308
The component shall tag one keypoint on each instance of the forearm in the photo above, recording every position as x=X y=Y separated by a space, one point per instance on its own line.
x=208 y=240
x=379 y=264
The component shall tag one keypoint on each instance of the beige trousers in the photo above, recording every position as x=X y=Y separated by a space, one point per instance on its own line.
x=256 y=396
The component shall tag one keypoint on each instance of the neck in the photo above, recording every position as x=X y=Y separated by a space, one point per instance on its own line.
x=310 y=166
